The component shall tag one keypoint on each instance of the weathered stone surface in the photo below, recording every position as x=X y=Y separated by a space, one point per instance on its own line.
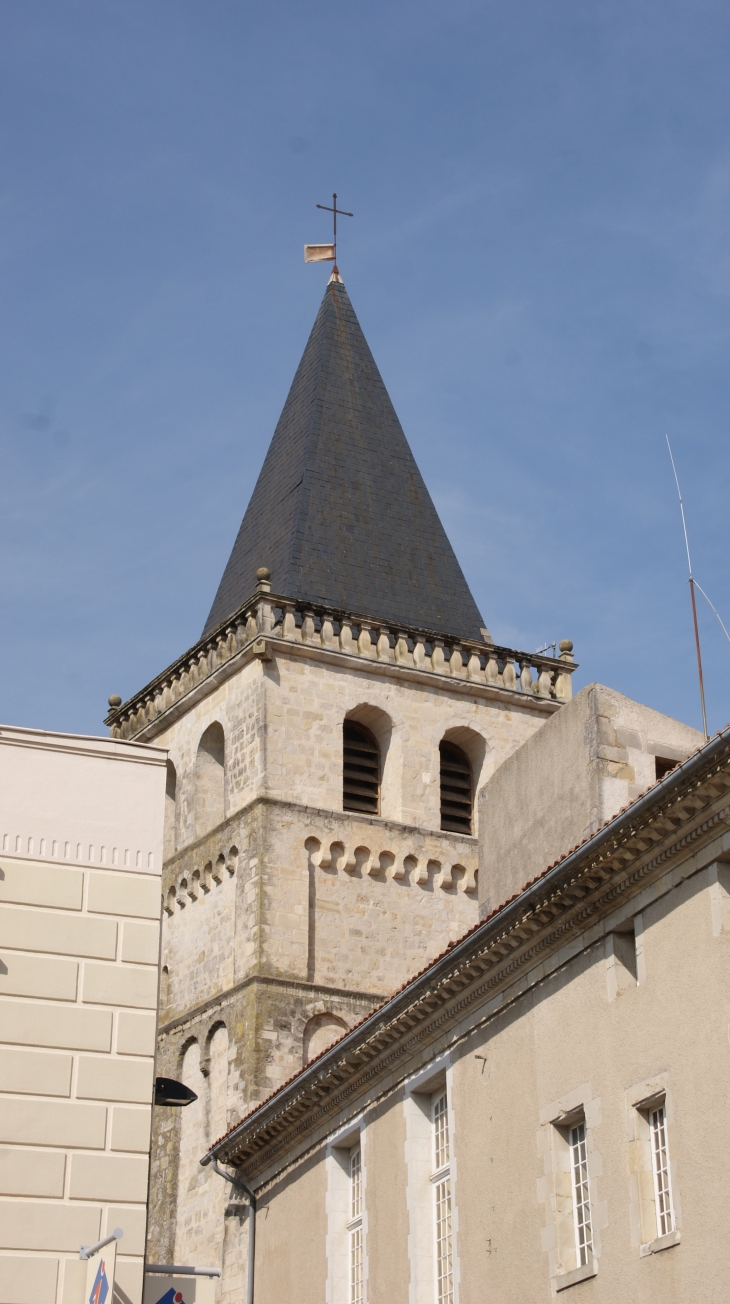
x=292 y=915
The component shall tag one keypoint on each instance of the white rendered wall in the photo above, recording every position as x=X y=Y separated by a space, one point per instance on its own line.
x=81 y=823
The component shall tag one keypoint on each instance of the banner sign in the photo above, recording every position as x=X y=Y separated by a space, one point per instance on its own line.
x=159 y=1289
x=100 y=1275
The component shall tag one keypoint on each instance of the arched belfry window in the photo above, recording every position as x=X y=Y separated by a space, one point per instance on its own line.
x=210 y=780
x=170 y=810
x=456 y=789
x=360 y=769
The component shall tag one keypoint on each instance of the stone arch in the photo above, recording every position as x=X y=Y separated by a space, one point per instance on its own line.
x=216 y=1044
x=320 y=1032
x=164 y=988
x=210 y=780
x=192 y=1146
x=474 y=746
x=380 y=725
x=170 y=835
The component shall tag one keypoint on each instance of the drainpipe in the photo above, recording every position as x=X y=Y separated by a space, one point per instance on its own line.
x=236 y=1181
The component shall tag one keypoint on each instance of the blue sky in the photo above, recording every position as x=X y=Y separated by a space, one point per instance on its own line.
x=540 y=259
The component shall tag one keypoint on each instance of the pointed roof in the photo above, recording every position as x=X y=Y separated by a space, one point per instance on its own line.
x=340 y=513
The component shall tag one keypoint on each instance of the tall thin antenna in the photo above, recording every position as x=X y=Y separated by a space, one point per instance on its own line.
x=692 y=592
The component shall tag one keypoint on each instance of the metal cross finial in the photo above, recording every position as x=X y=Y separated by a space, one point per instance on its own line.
x=334 y=210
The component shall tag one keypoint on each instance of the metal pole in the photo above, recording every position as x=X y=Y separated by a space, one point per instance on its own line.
x=699 y=656
x=177 y=1270
x=692 y=590
x=88 y=1251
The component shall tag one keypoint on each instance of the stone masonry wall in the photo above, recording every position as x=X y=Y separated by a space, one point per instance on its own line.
x=288 y=922
x=282 y=721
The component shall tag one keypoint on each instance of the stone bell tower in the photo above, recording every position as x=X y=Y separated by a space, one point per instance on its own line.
x=328 y=736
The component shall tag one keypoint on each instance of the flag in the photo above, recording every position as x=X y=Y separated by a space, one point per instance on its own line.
x=319 y=253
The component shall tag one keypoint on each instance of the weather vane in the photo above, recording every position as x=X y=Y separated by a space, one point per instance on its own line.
x=326 y=253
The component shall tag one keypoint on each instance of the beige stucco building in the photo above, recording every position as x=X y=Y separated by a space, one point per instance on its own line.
x=81 y=824
x=543 y=1109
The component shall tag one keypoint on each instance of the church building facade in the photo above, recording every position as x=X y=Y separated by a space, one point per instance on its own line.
x=328 y=737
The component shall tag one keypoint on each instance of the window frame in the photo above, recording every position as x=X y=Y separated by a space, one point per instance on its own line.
x=346 y=1229
x=355 y=1231
x=661 y=1171
x=464 y=760
x=582 y=1217
x=573 y=1258
x=369 y=738
x=643 y=1101
x=443 y=1242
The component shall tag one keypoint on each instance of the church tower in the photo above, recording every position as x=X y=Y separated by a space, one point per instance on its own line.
x=327 y=735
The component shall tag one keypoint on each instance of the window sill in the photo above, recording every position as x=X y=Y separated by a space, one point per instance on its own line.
x=661 y=1243
x=578 y=1274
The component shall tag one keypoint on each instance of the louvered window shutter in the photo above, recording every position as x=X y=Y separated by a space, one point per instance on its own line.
x=361 y=769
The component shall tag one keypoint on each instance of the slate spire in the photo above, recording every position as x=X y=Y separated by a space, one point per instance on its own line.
x=340 y=513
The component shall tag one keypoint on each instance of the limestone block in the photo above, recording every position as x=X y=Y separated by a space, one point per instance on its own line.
x=135 y=1033
x=41 y=885
x=35 y=975
x=35 y=1074
x=108 y=1177
x=606 y=732
x=102 y=1078
x=37 y=930
x=27 y=1226
x=32 y=1172
x=28 y=1281
x=132 y=1223
x=110 y=984
x=131 y=1130
x=140 y=943
x=628 y=737
x=53 y=1123
x=124 y=894
x=617 y=754
x=74 y=1280
x=28 y=1024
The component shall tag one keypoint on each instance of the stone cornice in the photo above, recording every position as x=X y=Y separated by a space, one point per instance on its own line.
x=672 y=820
x=271 y=624
x=294 y=985
x=400 y=827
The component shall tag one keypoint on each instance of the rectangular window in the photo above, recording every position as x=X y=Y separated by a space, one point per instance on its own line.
x=660 y=1165
x=581 y=1198
x=354 y=1228
x=441 y=1179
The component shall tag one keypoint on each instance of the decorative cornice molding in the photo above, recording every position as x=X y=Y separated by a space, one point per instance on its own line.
x=270 y=623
